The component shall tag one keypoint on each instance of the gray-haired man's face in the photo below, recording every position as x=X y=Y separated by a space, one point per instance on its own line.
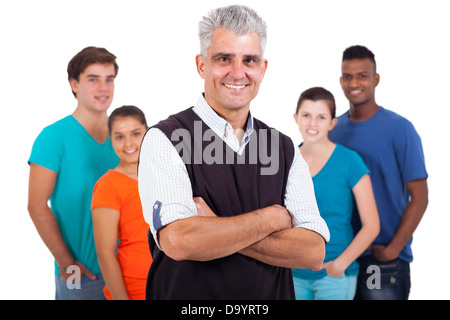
x=233 y=70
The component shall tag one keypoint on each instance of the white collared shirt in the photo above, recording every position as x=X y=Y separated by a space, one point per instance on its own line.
x=165 y=188
x=221 y=127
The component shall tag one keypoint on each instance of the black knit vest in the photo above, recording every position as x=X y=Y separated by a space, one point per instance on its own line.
x=231 y=185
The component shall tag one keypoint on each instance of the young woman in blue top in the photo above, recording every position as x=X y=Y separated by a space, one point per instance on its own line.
x=341 y=180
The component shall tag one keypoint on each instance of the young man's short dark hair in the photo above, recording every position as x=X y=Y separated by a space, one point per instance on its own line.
x=358 y=52
x=88 y=56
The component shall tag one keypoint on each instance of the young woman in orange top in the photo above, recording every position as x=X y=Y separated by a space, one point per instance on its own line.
x=120 y=231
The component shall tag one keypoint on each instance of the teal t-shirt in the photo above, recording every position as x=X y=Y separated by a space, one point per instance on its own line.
x=333 y=189
x=79 y=160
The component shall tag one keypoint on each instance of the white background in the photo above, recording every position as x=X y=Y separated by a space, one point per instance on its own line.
x=156 y=43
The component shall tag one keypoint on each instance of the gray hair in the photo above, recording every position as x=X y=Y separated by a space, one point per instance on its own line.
x=238 y=19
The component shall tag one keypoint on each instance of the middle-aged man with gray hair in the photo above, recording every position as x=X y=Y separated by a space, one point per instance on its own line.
x=229 y=200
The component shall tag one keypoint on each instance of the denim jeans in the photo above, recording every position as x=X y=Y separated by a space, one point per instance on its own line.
x=327 y=288
x=383 y=280
x=87 y=289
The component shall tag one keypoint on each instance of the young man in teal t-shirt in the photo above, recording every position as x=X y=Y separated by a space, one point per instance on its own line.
x=66 y=160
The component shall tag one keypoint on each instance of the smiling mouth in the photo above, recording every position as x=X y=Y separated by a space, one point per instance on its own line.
x=312 y=131
x=130 y=152
x=238 y=87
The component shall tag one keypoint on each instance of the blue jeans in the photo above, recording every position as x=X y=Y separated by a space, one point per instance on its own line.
x=87 y=289
x=327 y=288
x=383 y=280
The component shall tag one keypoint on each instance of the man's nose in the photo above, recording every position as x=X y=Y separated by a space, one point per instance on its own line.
x=237 y=70
x=354 y=82
x=103 y=85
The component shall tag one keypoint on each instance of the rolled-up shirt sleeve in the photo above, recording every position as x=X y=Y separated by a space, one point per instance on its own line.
x=300 y=200
x=164 y=186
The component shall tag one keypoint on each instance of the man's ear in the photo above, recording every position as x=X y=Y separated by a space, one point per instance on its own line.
x=73 y=84
x=264 y=68
x=377 y=79
x=200 y=62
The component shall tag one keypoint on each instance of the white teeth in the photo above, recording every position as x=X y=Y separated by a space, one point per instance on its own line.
x=312 y=131
x=230 y=86
x=131 y=151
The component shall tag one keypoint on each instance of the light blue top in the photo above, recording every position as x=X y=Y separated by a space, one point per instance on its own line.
x=333 y=189
x=79 y=160
x=392 y=150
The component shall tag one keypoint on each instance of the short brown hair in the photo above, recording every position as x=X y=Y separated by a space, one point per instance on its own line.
x=86 y=57
x=315 y=94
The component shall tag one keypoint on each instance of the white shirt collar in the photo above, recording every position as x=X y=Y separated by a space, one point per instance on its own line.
x=220 y=126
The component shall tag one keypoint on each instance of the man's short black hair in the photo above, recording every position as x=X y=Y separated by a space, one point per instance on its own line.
x=358 y=52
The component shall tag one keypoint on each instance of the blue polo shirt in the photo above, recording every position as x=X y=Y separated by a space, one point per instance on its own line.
x=392 y=150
